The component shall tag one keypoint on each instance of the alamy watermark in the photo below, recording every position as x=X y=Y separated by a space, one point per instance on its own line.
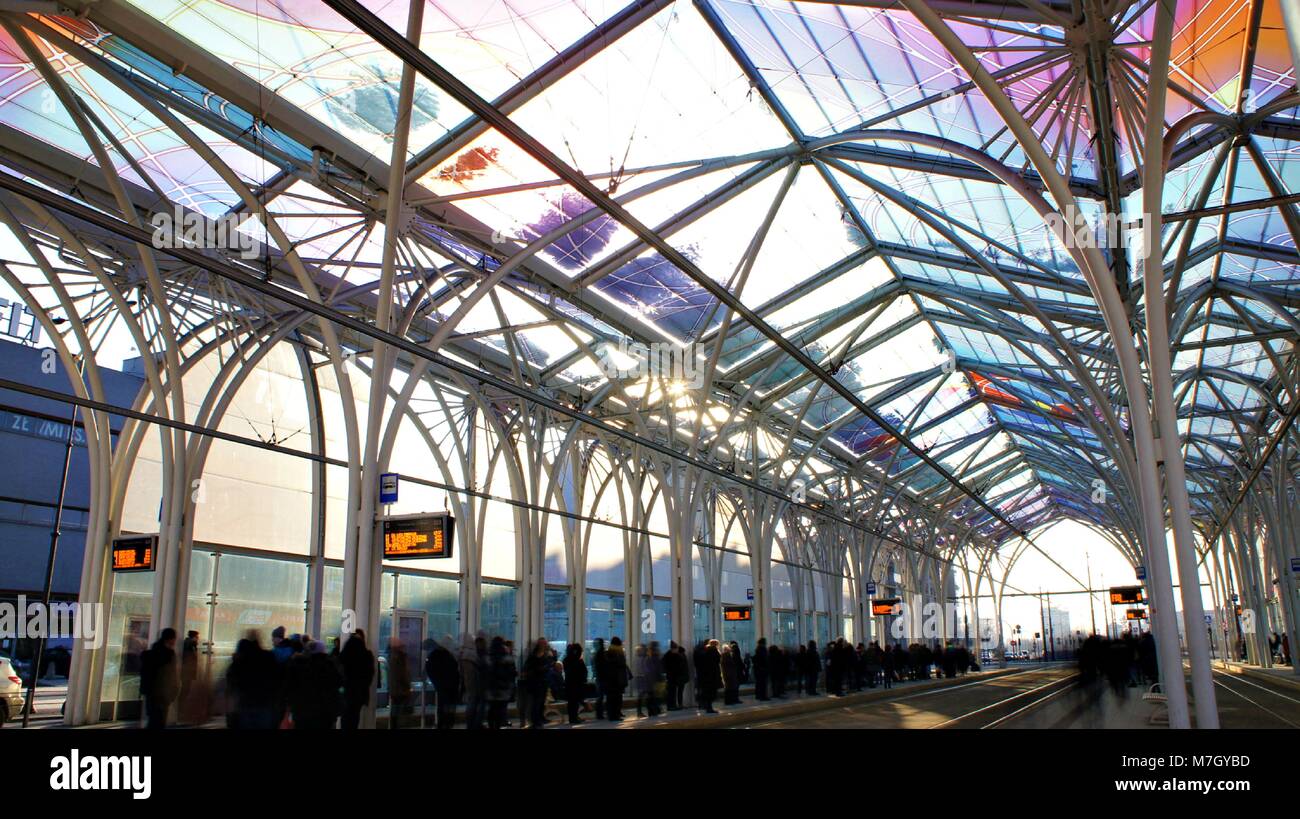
x=187 y=228
x=679 y=364
x=1105 y=231
x=76 y=621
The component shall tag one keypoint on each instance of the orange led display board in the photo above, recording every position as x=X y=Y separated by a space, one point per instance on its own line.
x=419 y=537
x=134 y=553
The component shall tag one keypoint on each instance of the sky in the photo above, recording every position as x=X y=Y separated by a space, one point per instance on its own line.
x=1077 y=548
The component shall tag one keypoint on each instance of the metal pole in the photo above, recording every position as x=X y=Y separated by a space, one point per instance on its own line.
x=1092 y=608
x=46 y=592
x=1051 y=627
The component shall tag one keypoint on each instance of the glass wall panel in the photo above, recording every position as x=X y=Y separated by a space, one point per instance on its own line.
x=555 y=618
x=785 y=628
x=259 y=594
x=823 y=631
x=701 y=623
x=331 y=615
x=782 y=589
x=741 y=632
x=605 y=619
x=128 y=637
x=437 y=597
x=198 y=605
x=663 y=608
x=497 y=611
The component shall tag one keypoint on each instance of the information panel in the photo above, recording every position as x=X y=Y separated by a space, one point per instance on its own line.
x=734 y=613
x=134 y=553
x=887 y=605
x=420 y=537
x=1125 y=595
x=1136 y=614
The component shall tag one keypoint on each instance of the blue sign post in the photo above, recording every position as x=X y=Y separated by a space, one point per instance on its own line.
x=388 y=488
x=1295 y=565
x=871 y=590
x=1142 y=572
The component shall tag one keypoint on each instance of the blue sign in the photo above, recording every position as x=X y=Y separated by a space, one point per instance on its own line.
x=1234 y=598
x=388 y=487
x=871 y=590
x=749 y=594
x=1142 y=572
x=1295 y=564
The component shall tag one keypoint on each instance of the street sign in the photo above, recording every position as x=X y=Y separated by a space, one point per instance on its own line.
x=871 y=590
x=388 y=487
x=749 y=594
x=1295 y=565
x=1141 y=572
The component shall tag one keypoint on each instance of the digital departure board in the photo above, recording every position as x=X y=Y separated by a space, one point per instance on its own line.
x=734 y=613
x=888 y=605
x=134 y=553
x=1125 y=595
x=420 y=537
x=1136 y=614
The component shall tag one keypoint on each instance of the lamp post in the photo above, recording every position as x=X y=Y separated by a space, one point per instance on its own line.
x=47 y=590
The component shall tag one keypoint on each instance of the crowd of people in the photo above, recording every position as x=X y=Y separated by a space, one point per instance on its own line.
x=1125 y=662
x=301 y=683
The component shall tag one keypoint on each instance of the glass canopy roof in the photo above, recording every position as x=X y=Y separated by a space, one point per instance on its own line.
x=800 y=155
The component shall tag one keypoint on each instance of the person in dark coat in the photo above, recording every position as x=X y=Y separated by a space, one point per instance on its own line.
x=761 y=670
x=778 y=664
x=189 y=665
x=537 y=666
x=575 y=681
x=252 y=682
x=358 y=672
x=598 y=667
x=731 y=664
x=501 y=676
x=675 y=673
x=615 y=679
x=708 y=675
x=697 y=657
x=159 y=679
x=443 y=670
x=313 y=689
x=812 y=667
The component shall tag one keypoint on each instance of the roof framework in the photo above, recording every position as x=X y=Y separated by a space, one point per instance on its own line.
x=814 y=198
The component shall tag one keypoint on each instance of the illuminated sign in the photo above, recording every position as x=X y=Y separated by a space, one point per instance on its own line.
x=1136 y=614
x=1125 y=595
x=734 y=613
x=884 y=606
x=419 y=537
x=134 y=553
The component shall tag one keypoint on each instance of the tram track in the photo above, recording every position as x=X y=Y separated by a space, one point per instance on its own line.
x=1248 y=691
x=908 y=706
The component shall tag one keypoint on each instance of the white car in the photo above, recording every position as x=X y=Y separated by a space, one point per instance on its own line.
x=11 y=692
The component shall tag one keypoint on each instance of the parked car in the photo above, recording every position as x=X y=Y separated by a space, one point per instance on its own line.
x=11 y=691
